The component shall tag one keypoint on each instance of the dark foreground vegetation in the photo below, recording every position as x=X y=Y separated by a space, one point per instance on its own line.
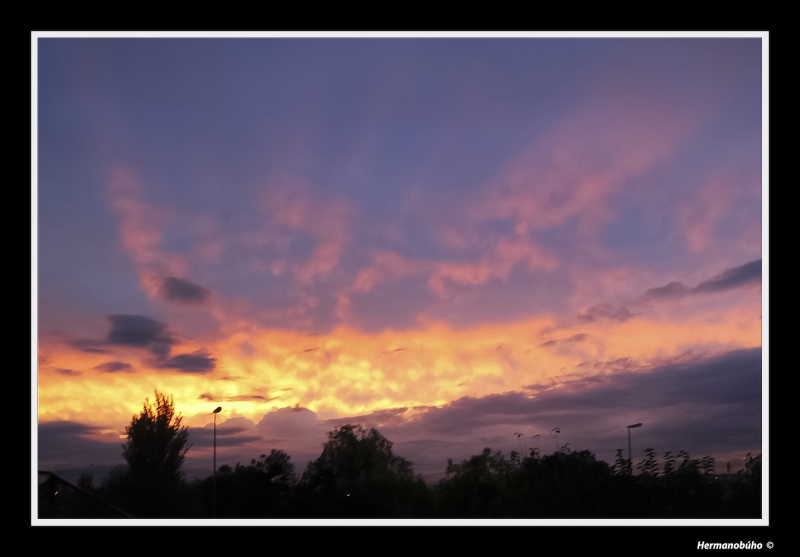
x=358 y=476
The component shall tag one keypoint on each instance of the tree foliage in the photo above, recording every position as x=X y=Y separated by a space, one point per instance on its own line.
x=476 y=486
x=277 y=467
x=355 y=455
x=263 y=489
x=157 y=444
x=358 y=475
x=151 y=485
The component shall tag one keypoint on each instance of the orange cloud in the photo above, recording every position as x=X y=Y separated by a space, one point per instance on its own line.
x=347 y=372
x=700 y=216
x=573 y=170
x=327 y=220
x=495 y=264
x=388 y=266
x=141 y=227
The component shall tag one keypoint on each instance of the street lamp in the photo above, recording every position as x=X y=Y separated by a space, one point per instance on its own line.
x=630 y=461
x=556 y=430
x=214 y=491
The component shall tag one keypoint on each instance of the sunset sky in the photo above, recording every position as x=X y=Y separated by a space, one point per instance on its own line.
x=449 y=239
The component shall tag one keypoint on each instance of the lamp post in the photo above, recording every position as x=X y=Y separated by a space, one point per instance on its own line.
x=556 y=430
x=214 y=490
x=537 y=442
x=630 y=461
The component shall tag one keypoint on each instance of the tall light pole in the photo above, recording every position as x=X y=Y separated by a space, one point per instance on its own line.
x=214 y=491
x=556 y=430
x=537 y=442
x=630 y=461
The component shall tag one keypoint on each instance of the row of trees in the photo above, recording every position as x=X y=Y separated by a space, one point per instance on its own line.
x=358 y=475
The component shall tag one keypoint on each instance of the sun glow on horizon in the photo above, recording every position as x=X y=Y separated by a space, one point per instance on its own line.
x=348 y=372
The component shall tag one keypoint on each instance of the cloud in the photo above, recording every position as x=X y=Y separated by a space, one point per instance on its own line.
x=671 y=290
x=141 y=231
x=388 y=266
x=89 y=345
x=376 y=419
x=575 y=170
x=196 y=362
x=497 y=263
x=606 y=311
x=68 y=372
x=735 y=277
x=579 y=337
x=250 y=397
x=749 y=273
x=231 y=433
x=329 y=221
x=290 y=422
x=699 y=216
x=66 y=427
x=66 y=444
x=261 y=398
x=140 y=331
x=705 y=406
x=183 y=292
x=113 y=367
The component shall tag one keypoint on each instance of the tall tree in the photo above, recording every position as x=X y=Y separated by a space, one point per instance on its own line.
x=157 y=444
x=357 y=474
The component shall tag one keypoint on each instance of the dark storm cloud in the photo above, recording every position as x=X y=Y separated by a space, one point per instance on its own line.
x=140 y=331
x=708 y=406
x=580 y=337
x=64 y=428
x=114 y=367
x=749 y=273
x=68 y=372
x=606 y=311
x=196 y=362
x=375 y=419
x=182 y=291
x=250 y=397
x=671 y=290
x=210 y=397
x=66 y=444
x=88 y=345
x=227 y=435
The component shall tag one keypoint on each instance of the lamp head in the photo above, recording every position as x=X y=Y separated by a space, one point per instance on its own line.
x=217 y=410
x=634 y=425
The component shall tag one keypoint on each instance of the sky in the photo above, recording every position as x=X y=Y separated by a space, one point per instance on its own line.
x=451 y=240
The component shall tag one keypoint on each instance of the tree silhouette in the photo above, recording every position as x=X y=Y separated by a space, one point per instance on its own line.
x=277 y=466
x=262 y=489
x=157 y=444
x=649 y=466
x=155 y=450
x=358 y=475
x=477 y=486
